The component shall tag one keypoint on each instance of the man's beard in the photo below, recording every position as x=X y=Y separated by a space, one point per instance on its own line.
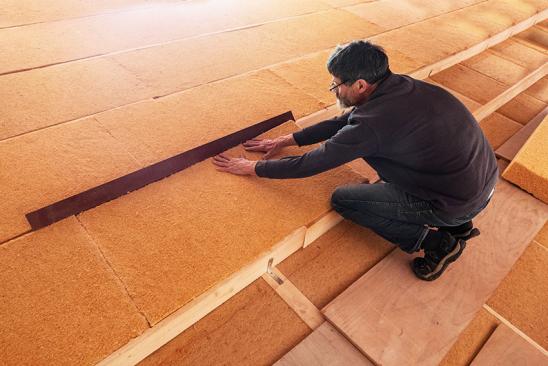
x=343 y=104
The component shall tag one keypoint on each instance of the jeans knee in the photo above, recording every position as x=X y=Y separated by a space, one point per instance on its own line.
x=336 y=200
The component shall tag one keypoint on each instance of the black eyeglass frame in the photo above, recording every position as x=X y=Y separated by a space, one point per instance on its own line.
x=333 y=87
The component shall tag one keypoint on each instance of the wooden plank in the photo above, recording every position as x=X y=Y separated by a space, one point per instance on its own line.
x=511 y=147
x=506 y=348
x=396 y=319
x=152 y=339
x=296 y=300
x=325 y=346
x=321 y=226
x=511 y=92
x=319 y=116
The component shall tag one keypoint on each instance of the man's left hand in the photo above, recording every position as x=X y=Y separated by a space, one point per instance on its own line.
x=239 y=166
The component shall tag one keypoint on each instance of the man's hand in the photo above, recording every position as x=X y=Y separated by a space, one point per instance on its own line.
x=238 y=166
x=269 y=146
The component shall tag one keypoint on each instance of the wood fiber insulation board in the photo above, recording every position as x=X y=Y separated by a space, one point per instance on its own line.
x=172 y=240
x=45 y=166
x=255 y=327
x=507 y=348
x=309 y=74
x=497 y=67
x=523 y=108
x=325 y=268
x=391 y=14
x=20 y=12
x=529 y=168
x=470 y=83
x=536 y=36
x=510 y=148
x=395 y=318
x=61 y=302
x=471 y=340
x=324 y=347
x=498 y=129
x=158 y=129
x=179 y=65
x=521 y=297
x=539 y=90
x=341 y=3
x=471 y=104
x=44 y=97
x=519 y=53
x=542 y=236
x=90 y=36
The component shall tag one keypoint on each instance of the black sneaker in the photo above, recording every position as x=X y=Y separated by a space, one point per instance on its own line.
x=465 y=231
x=434 y=262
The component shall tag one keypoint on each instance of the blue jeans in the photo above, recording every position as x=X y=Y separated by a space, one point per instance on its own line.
x=392 y=213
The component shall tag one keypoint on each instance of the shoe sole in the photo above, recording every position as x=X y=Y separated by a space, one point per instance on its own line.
x=442 y=265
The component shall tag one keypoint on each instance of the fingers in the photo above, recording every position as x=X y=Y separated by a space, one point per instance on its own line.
x=252 y=142
x=254 y=148
x=221 y=160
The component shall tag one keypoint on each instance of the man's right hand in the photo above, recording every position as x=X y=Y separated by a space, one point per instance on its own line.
x=269 y=146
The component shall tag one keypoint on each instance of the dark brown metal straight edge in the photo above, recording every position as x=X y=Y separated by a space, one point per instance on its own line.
x=120 y=186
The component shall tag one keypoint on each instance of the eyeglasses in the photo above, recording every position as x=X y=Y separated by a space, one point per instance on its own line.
x=334 y=86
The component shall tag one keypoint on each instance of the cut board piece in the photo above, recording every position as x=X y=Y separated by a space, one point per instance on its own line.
x=168 y=68
x=497 y=67
x=255 y=327
x=521 y=297
x=529 y=168
x=177 y=253
x=75 y=39
x=294 y=298
x=510 y=148
x=471 y=340
x=325 y=346
x=158 y=129
x=44 y=97
x=138 y=179
x=334 y=261
x=539 y=90
x=378 y=313
x=61 y=302
x=523 y=107
x=506 y=348
x=48 y=165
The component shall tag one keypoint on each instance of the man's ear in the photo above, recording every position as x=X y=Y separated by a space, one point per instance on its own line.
x=362 y=85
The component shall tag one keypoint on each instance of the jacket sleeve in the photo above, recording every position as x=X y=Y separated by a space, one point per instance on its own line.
x=351 y=142
x=320 y=131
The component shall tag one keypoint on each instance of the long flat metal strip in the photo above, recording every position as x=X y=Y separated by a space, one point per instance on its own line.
x=120 y=186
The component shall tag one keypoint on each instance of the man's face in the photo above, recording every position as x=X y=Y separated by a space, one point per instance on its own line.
x=343 y=92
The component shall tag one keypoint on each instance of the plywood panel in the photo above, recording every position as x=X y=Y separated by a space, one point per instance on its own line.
x=471 y=340
x=379 y=311
x=43 y=167
x=255 y=327
x=84 y=37
x=519 y=53
x=333 y=262
x=529 y=168
x=45 y=97
x=506 y=348
x=498 y=68
x=325 y=346
x=498 y=129
x=521 y=297
x=169 y=68
x=61 y=302
x=155 y=130
x=174 y=239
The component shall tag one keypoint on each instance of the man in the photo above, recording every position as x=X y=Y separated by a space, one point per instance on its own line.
x=438 y=169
